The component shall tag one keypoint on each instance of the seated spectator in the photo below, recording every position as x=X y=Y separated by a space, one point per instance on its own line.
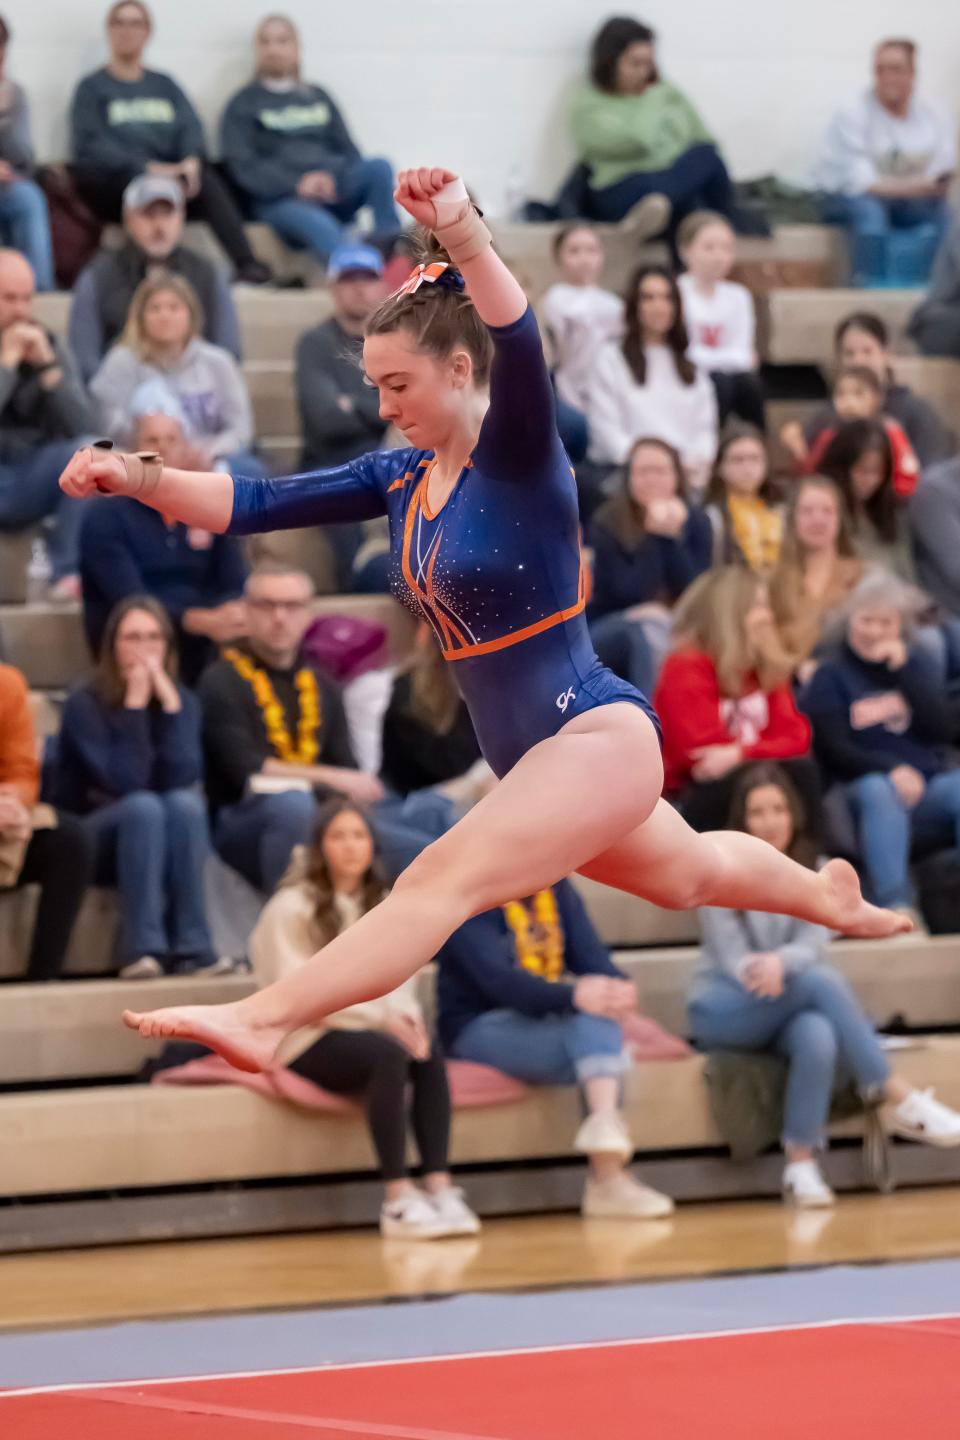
x=886 y=166
x=647 y=385
x=44 y=416
x=724 y=698
x=649 y=543
x=578 y=314
x=287 y=147
x=639 y=137
x=126 y=119
x=24 y=221
x=37 y=846
x=376 y=1049
x=153 y=218
x=863 y=339
x=741 y=502
x=428 y=736
x=880 y=725
x=130 y=761
x=531 y=990
x=817 y=568
x=162 y=339
x=720 y=316
x=127 y=549
x=860 y=460
x=858 y=394
x=934 y=516
x=935 y=324
x=764 y=984
x=275 y=734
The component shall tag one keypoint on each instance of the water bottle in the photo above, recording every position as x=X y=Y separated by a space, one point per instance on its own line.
x=39 y=573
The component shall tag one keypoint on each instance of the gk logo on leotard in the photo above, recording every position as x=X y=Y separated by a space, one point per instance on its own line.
x=566 y=699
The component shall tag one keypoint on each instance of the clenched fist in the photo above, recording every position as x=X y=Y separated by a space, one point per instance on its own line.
x=98 y=470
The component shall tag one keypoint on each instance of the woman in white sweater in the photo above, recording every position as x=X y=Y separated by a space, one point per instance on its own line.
x=163 y=339
x=646 y=385
x=374 y=1049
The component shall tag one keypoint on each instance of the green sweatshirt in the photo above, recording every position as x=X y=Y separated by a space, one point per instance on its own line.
x=617 y=135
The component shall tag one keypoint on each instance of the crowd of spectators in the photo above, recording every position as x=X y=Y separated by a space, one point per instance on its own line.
x=791 y=602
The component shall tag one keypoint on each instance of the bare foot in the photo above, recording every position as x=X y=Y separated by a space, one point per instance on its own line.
x=851 y=914
x=228 y=1029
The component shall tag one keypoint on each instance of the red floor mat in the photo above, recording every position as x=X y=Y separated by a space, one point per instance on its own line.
x=858 y=1382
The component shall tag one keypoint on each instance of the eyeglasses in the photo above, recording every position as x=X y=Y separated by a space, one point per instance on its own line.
x=290 y=607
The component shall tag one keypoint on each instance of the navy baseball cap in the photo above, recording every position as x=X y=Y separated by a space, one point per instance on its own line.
x=354 y=259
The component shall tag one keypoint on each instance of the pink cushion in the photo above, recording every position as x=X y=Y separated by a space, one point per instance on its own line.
x=470 y=1085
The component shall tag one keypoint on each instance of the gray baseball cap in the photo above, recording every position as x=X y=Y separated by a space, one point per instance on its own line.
x=147 y=189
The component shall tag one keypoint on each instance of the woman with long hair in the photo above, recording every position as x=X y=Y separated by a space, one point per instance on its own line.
x=725 y=699
x=817 y=568
x=649 y=543
x=859 y=459
x=646 y=385
x=130 y=761
x=428 y=736
x=373 y=1049
x=764 y=984
x=486 y=546
x=163 y=340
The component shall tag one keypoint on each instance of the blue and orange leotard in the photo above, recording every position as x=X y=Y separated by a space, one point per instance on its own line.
x=497 y=571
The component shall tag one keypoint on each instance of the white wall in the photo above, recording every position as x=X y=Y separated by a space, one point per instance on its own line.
x=481 y=85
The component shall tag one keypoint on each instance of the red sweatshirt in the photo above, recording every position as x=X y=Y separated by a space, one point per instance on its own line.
x=906 y=468
x=767 y=726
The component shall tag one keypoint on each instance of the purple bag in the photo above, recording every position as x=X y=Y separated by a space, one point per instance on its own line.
x=344 y=646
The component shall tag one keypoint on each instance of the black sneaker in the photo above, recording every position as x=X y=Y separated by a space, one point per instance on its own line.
x=254 y=273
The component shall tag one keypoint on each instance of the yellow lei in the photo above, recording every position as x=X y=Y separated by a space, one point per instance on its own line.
x=274 y=720
x=539 y=940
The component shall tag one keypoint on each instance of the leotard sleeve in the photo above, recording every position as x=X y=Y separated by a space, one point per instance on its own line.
x=519 y=433
x=355 y=491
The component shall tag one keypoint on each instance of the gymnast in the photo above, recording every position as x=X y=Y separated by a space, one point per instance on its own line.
x=482 y=510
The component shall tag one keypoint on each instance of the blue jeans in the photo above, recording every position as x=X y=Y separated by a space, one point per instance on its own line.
x=30 y=491
x=153 y=847
x=816 y=1025
x=886 y=828
x=544 y=1050
x=697 y=180
x=312 y=225
x=257 y=835
x=872 y=220
x=25 y=224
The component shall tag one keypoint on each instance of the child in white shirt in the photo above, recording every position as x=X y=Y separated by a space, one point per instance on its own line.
x=580 y=317
x=720 y=315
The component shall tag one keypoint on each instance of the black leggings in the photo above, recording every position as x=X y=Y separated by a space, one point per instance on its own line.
x=740 y=393
x=61 y=862
x=374 y=1065
x=103 y=191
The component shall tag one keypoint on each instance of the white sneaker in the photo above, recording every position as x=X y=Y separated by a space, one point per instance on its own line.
x=145 y=967
x=624 y=1198
x=921 y=1117
x=647 y=218
x=604 y=1134
x=412 y=1217
x=805 y=1187
x=452 y=1209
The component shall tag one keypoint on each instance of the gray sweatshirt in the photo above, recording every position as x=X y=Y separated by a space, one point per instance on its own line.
x=731 y=936
x=16 y=147
x=31 y=416
x=206 y=380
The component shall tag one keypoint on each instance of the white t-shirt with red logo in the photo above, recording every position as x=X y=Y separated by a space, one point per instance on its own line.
x=722 y=326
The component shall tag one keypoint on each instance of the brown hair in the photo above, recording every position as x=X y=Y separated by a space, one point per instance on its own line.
x=614 y=37
x=676 y=338
x=621 y=516
x=802 y=848
x=108 y=682
x=434 y=698
x=909 y=48
x=134 y=333
x=691 y=225
x=440 y=318
x=798 y=614
x=710 y=617
x=852 y=441
x=276 y=19
x=864 y=375
x=316 y=872
x=734 y=431
x=572 y=227
x=137 y=5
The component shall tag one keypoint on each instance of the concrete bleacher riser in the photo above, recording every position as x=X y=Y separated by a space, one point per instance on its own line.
x=74 y=1141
